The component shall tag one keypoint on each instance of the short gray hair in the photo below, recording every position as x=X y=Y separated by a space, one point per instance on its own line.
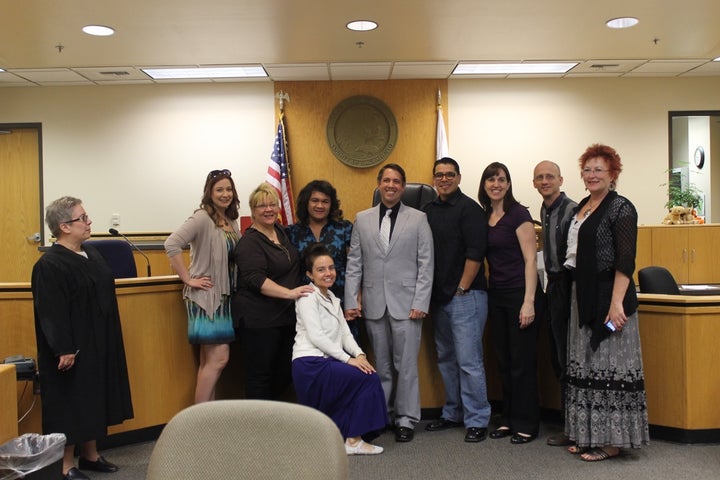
x=58 y=212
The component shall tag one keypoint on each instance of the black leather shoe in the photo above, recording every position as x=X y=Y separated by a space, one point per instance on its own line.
x=475 y=434
x=500 y=433
x=404 y=434
x=75 y=474
x=99 y=465
x=518 y=439
x=441 y=424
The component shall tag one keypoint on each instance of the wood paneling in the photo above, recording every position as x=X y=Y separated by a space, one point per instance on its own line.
x=8 y=401
x=413 y=102
x=161 y=363
x=679 y=337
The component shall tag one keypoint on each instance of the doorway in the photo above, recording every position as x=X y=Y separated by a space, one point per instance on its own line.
x=21 y=232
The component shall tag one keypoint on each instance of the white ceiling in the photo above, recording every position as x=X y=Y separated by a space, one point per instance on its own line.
x=307 y=39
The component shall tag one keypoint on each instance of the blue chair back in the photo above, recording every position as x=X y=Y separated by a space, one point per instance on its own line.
x=119 y=256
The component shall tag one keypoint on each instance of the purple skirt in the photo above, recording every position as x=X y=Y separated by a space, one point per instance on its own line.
x=354 y=400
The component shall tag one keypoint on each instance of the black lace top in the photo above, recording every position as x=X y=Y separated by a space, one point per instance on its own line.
x=606 y=243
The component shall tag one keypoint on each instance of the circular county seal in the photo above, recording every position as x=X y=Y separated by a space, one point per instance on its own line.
x=361 y=131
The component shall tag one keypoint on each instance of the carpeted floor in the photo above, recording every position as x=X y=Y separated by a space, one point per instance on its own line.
x=444 y=455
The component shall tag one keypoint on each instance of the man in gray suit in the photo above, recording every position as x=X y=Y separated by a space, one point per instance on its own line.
x=391 y=254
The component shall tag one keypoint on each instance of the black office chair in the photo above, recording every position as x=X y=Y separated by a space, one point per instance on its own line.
x=416 y=195
x=118 y=255
x=657 y=280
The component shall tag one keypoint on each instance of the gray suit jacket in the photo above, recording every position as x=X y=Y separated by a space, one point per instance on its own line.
x=400 y=279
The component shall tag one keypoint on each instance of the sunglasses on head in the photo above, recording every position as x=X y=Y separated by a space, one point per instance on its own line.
x=217 y=173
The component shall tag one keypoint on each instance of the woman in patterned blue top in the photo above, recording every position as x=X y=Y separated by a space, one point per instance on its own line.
x=320 y=220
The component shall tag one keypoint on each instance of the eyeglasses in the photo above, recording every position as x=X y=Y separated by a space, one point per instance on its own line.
x=82 y=218
x=217 y=173
x=448 y=175
x=269 y=205
x=593 y=171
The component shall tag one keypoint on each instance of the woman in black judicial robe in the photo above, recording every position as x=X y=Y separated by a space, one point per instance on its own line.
x=81 y=357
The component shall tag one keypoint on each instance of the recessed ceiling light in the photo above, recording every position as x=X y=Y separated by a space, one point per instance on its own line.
x=622 y=22
x=249 y=71
x=98 y=30
x=362 y=25
x=511 y=68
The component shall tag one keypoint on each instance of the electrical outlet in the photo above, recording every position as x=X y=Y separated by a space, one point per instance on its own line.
x=115 y=219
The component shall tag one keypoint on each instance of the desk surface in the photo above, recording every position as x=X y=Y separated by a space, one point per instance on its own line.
x=700 y=289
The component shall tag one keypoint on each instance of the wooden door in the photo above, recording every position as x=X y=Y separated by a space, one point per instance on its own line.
x=21 y=228
x=704 y=260
x=670 y=250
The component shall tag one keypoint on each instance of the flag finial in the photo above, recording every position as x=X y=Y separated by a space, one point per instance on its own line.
x=282 y=96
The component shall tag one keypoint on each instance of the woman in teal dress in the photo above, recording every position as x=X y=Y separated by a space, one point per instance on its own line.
x=212 y=233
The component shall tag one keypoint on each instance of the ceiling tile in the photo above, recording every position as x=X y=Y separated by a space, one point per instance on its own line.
x=298 y=71
x=111 y=74
x=667 y=66
x=405 y=70
x=360 y=71
x=606 y=66
x=51 y=76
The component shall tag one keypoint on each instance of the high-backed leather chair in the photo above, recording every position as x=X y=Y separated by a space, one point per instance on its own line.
x=119 y=256
x=249 y=439
x=416 y=195
x=657 y=280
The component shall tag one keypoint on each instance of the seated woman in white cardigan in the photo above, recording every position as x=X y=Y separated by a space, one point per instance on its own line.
x=329 y=369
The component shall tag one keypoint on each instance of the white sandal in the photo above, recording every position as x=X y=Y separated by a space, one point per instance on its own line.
x=362 y=448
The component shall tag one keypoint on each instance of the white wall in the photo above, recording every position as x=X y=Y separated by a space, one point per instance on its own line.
x=144 y=151
x=522 y=121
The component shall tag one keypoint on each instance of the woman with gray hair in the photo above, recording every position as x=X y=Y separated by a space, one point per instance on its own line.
x=81 y=356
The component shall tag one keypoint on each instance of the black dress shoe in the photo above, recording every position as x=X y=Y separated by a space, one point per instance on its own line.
x=404 y=434
x=500 y=433
x=475 y=434
x=559 y=440
x=518 y=439
x=75 y=474
x=99 y=465
x=441 y=424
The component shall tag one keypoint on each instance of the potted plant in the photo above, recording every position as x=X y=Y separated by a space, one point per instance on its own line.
x=687 y=197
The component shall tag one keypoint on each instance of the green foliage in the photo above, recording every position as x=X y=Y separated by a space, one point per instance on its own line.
x=689 y=197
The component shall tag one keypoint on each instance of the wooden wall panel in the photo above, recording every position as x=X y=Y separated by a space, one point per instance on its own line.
x=8 y=400
x=414 y=105
x=413 y=102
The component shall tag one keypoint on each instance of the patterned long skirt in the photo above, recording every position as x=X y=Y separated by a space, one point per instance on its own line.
x=605 y=399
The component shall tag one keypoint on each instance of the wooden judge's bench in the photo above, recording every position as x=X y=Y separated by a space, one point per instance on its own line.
x=680 y=335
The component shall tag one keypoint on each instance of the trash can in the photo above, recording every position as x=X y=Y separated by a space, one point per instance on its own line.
x=33 y=457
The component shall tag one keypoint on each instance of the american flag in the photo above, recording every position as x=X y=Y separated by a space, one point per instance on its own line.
x=278 y=175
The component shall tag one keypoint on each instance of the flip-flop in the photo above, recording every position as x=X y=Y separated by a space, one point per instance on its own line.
x=575 y=450
x=598 y=455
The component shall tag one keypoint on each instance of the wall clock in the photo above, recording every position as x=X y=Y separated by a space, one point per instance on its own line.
x=699 y=157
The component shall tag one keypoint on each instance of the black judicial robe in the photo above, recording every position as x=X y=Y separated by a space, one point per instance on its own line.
x=76 y=310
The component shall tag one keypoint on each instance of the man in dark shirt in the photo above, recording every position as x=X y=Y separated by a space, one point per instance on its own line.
x=556 y=212
x=459 y=302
